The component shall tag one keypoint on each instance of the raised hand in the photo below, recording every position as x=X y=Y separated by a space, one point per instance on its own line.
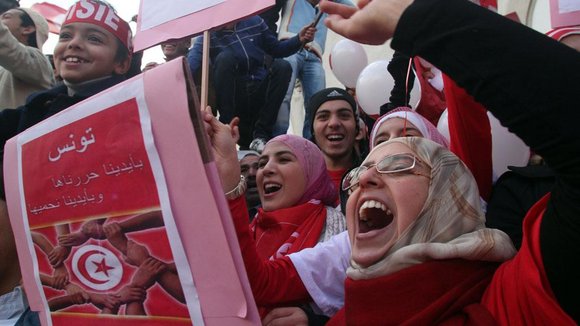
x=223 y=141
x=373 y=22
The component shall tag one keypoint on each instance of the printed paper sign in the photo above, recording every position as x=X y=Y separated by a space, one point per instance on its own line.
x=158 y=12
x=565 y=13
x=95 y=218
x=160 y=21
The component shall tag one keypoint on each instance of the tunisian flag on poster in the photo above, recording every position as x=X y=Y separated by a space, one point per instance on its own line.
x=118 y=213
x=54 y=14
x=159 y=21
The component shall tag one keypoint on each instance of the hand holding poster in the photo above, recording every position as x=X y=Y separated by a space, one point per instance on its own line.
x=102 y=212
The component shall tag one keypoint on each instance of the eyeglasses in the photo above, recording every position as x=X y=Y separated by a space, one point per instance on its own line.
x=395 y=163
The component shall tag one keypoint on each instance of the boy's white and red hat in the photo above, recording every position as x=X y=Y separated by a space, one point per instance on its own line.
x=93 y=12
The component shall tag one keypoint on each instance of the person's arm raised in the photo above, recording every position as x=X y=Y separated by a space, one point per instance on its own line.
x=223 y=143
x=373 y=22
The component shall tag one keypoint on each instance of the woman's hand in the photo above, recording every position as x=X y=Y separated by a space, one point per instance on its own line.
x=373 y=22
x=223 y=142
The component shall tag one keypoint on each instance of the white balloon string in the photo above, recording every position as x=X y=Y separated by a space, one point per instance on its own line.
x=407 y=90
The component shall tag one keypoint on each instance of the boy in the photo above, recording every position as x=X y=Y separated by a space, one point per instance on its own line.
x=93 y=53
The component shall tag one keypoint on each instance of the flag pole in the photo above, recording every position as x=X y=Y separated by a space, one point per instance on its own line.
x=205 y=70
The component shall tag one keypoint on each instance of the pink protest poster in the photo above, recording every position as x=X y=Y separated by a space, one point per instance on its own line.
x=159 y=21
x=118 y=216
x=564 y=13
x=96 y=222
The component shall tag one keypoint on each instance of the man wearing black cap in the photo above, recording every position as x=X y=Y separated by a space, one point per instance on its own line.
x=336 y=131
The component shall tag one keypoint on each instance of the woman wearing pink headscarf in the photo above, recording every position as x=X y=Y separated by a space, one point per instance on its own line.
x=297 y=196
x=296 y=192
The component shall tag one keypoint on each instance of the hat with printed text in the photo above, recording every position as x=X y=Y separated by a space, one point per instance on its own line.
x=100 y=14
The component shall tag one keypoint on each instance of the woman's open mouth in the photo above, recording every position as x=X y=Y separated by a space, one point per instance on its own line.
x=270 y=188
x=373 y=215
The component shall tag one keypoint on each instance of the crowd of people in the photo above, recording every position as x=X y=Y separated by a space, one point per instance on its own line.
x=357 y=221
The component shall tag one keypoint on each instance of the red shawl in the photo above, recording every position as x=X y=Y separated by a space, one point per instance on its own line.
x=470 y=134
x=520 y=293
x=336 y=176
x=436 y=292
x=284 y=231
x=432 y=103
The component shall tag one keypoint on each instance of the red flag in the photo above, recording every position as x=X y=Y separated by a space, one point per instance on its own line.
x=54 y=15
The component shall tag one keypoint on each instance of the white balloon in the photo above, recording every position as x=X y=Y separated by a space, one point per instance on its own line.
x=507 y=148
x=415 y=94
x=347 y=60
x=437 y=81
x=374 y=86
x=443 y=124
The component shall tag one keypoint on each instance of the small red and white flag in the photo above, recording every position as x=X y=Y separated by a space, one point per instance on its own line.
x=54 y=15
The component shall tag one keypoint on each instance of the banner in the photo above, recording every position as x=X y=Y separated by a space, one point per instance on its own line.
x=564 y=13
x=119 y=215
x=54 y=15
x=159 y=21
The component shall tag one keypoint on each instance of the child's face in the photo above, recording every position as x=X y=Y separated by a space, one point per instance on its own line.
x=85 y=52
